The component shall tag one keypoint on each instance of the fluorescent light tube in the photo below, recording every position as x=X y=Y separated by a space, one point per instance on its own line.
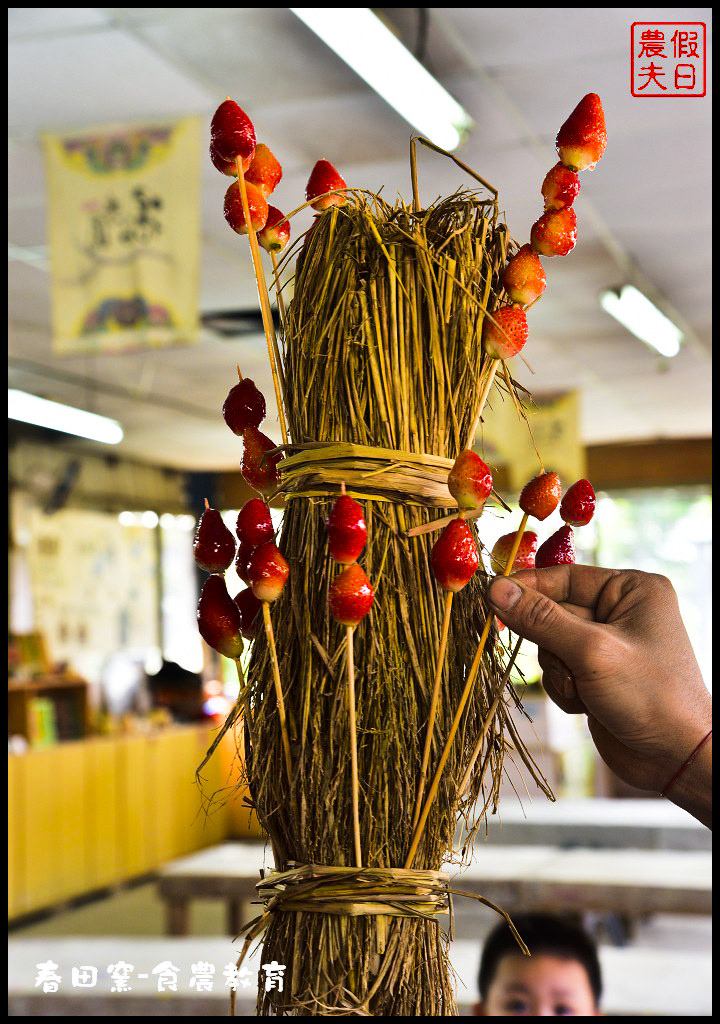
x=643 y=319
x=55 y=416
x=363 y=42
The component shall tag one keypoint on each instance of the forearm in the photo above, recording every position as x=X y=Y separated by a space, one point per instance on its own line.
x=693 y=789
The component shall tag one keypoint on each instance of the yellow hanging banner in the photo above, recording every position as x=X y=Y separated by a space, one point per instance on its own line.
x=124 y=234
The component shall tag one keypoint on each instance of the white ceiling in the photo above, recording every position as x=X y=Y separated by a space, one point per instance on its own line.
x=519 y=72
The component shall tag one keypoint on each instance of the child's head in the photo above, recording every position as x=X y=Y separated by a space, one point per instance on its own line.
x=560 y=979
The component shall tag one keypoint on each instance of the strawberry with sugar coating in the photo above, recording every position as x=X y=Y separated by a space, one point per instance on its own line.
x=244 y=407
x=506 y=333
x=276 y=233
x=559 y=549
x=214 y=545
x=268 y=572
x=560 y=187
x=583 y=137
x=347 y=530
x=525 y=556
x=351 y=596
x=257 y=205
x=470 y=480
x=264 y=171
x=324 y=178
x=219 y=619
x=540 y=496
x=259 y=469
x=454 y=557
x=254 y=523
x=555 y=233
x=232 y=133
x=524 y=278
x=578 y=506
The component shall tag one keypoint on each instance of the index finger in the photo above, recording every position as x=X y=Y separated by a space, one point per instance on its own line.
x=573 y=584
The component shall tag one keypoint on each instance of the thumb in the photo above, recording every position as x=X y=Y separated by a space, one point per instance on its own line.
x=538 y=618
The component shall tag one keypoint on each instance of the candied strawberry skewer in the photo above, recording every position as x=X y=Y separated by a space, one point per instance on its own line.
x=504 y=334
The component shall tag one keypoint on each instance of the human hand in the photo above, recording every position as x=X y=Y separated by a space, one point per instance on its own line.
x=612 y=645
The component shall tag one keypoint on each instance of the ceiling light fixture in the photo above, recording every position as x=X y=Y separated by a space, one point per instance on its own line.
x=55 y=416
x=642 y=318
x=362 y=41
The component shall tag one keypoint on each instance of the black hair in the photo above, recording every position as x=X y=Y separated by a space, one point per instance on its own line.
x=544 y=934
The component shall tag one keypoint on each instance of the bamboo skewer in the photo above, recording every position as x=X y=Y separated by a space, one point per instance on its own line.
x=353 y=746
x=278 y=690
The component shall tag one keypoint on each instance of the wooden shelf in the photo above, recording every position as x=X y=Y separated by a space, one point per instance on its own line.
x=68 y=695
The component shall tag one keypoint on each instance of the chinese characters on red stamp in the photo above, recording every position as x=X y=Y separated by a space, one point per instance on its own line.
x=667 y=58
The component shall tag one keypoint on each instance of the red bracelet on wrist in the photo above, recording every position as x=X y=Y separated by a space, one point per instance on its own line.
x=689 y=761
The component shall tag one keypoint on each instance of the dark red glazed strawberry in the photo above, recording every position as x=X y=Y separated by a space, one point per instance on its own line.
x=524 y=279
x=228 y=167
x=244 y=407
x=555 y=233
x=231 y=132
x=560 y=187
x=214 y=546
x=276 y=233
x=525 y=557
x=470 y=480
x=540 y=497
x=351 y=596
x=268 y=572
x=578 y=506
x=258 y=468
x=346 y=530
x=254 y=523
x=242 y=561
x=454 y=557
x=324 y=178
x=264 y=171
x=257 y=204
x=506 y=333
x=557 y=550
x=219 y=619
x=250 y=613
x=582 y=139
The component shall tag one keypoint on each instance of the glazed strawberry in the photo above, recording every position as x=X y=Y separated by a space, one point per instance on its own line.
x=540 y=497
x=214 y=546
x=259 y=469
x=557 y=550
x=242 y=561
x=525 y=557
x=555 y=233
x=582 y=139
x=506 y=333
x=346 y=530
x=265 y=170
x=578 y=506
x=560 y=187
x=524 y=278
x=257 y=204
x=244 y=407
x=470 y=480
x=219 y=619
x=268 y=572
x=324 y=178
x=254 y=523
x=351 y=596
x=276 y=233
x=231 y=132
x=228 y=167
x=250 y=613
x=454 y=557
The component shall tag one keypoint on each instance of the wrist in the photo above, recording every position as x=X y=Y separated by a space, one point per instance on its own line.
x=692 y=788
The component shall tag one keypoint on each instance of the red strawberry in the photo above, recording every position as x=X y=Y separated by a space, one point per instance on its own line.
x=506 y=333
x=228 y=167
x=242 y=561
x=276 y=233
x=268 y=572
x=265 y=170
x=257 y=204
x=524 y=278
x=254 y=523
x=525 y=557
x=454 y=557
x=560 y=187
x=555 y=233
x=346 y=529
x=582 y=139
x=470 y=480
x=539 y=497
x=219 y=619
x=214 y=546
x=244 y=407
x=557 y=550
x=351 y=596
x=250 y=613
x=324 y=178
x=578 y=506
x=231 y=132
x=259 y=469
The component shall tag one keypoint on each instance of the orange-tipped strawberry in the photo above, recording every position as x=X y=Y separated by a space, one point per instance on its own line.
x=555 y=233
x=214 y=546
x=351 y=596
x=540 y=497
x=506 y=333
x=557 y=550
x=470 y=480
x=232 y=133
x=454 y=557
x=276 y=233
x=244 y=407
x=578 y=506
x=258 y=468
x=257 y=204
x=268 y=572
x=525 y=556
x=324 y=178
x=560 y=187
x=265 y=171
x=228 y=167
x=242 y=561
x=346 y=530
x=219 y=619
x=524 y=278
x=250 y=613
x=254 y=523
x=582 y=139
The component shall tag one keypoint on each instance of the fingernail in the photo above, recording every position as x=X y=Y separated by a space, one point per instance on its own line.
x=503 y=593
